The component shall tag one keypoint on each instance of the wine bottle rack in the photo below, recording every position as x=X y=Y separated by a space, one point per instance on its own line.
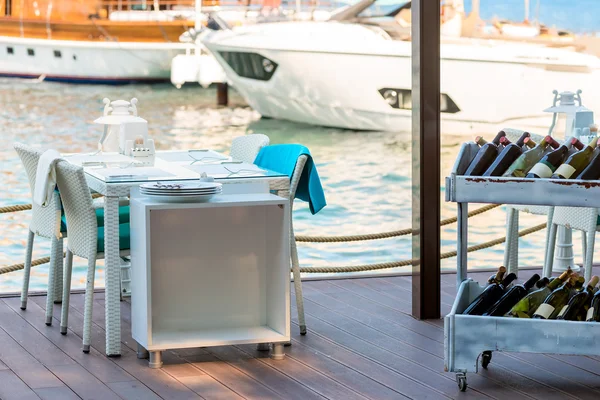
x=467 y=338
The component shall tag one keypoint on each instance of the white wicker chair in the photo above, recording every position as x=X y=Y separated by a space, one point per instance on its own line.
x=294 y=250
x=578 y=218
x=246 y=148
x=83 y=240
x=43 y=223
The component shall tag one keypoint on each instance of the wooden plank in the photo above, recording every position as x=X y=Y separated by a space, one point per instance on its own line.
x=57 y=393
x=133 y=390
x=94 y=362
x=157 y=381
x=286 y=386
x=38 y=377
x=234 y=379
x=209 y=387
x=346 y=374
x=13 y=388
x=411 y=362
x=31 y=340
x=83 y=383
x=11 y=352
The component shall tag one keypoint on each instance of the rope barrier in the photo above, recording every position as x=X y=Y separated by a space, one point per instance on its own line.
x=405 y=263
x=385 y=235
x=25 y=207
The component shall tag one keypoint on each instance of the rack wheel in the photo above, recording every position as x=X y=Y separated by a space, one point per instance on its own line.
x=461 y=379
x=486 y=358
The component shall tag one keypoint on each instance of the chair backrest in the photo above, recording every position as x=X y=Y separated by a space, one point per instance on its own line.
x=43 y=219
x=579 y=218
x=296 y=176
x=79 y=209
x=246 y=148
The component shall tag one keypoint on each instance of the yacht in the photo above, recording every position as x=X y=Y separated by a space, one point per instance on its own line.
x=354 y=70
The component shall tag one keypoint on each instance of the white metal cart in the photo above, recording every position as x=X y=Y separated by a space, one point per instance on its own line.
x=468 y=337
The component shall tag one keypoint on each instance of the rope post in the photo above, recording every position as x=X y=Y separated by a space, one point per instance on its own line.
x=222 y=94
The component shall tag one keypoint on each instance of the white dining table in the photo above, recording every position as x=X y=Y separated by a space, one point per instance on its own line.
x=114 y=175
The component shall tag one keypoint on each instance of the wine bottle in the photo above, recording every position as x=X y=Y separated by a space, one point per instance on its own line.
x=542 y=283
x=583 y=296
x=512 y=297
x=527 y=160
x=530 y=303
x=497 y=277
x=593 y=313
x=550 y=308
x=485 y=156
x=551 y=161
x=489 y=296
x=576 y=163
x=509 y=154
x=592 y=171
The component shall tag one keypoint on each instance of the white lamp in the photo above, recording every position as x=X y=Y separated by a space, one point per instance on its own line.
x=569 y=118
x=124 y=131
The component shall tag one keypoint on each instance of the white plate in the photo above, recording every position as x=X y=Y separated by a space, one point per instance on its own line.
x=183 y=186
x=184 y=199
x=178 y=192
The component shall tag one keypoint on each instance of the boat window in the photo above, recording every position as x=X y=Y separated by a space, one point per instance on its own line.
x=57 y=54
x=74 y=57
x=30 y=52
x=250 y=65
x=10 y=50
x=381 y=9
x=402 y=99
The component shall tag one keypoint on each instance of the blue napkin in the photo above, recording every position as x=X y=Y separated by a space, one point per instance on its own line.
x=282 y=158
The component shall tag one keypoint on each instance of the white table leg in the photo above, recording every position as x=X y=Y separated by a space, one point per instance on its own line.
x=564 y=251
x=112 y=274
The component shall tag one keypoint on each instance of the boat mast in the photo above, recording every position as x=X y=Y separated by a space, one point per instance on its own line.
x=526 y=10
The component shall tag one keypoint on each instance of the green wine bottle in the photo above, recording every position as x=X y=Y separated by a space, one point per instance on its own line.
x=552 y=160
x=576 y=163
x=555 y=301
x=527 y=305
x=527 y=160
x=593 y=313
x=583 y=296
x=592 y=171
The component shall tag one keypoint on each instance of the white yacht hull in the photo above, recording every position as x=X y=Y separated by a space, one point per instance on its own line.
x=87 y=62
x=339 y=86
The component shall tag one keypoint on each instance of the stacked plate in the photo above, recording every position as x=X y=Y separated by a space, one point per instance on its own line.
x=181 y=192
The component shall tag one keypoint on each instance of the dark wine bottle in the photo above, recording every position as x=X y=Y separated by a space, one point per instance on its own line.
x=497 y=277
x=512 y=297
x=507 y=156
x=485 y=156
x=555 y=301
x=576 y=162
x=542 y=283
x=593 y=313
x=489 y=296
x=592 y=171
x=571 y=310
x=551 y=161
x=528 y=159
x=527 y=306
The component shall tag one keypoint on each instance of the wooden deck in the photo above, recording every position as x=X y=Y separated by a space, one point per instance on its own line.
x=362 y=343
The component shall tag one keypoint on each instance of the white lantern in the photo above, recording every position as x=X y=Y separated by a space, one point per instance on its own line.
x=124 y=131
x=570 y=117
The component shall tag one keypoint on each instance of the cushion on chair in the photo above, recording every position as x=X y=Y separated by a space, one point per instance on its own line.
x=123 y=217
x=124 y=238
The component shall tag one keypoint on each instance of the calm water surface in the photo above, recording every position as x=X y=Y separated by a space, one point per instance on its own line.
x=366 y=175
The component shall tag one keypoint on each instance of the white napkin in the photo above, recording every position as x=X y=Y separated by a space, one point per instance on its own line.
x=45 y=179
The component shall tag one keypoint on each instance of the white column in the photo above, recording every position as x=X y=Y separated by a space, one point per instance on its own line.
x=563 y=253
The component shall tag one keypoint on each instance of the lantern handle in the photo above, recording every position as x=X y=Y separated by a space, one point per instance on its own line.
x=133 y=107
x=578 y=97
x=107 y=107
x=556 y=97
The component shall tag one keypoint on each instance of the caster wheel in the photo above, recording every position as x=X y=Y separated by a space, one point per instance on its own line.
x=461 y=380
x=486 y=358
